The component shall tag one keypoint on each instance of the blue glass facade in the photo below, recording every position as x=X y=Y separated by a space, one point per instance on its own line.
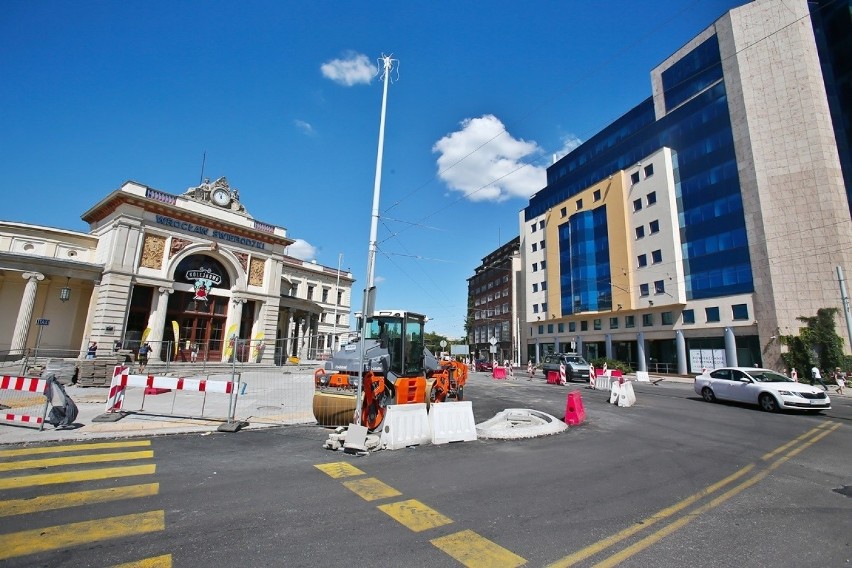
x=584 y=265
x=712 y=225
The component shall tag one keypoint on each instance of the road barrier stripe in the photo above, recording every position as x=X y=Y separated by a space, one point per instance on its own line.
x=76 y=499
x=75 y=460
x=476 y=551
x=58 y=537
x=72 y=448
x=75 y=476
x=164 y=561
x=415 y=515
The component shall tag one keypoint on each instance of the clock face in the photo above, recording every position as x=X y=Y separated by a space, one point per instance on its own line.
x=220 y=197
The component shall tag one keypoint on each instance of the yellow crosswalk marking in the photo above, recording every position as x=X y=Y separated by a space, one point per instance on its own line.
x=477 y=551
x=339 y=469
x=75 y=476
x=76 y=499
x=74 y=460
x=164 y=561
x=415 y=515
x=73 y=448
x=73 y=534
x=371 y=489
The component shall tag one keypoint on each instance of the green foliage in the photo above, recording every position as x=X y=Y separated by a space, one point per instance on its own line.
x=816 y=344
x=612 y=364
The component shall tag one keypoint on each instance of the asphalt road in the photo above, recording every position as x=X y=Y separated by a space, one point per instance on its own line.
x=671 y=481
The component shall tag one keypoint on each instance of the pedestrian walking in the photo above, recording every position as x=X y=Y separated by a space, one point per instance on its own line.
x=92 y=350
x=794 y=374
x=817 y=376
x=143 y=356
x=530 y=370
x=840 y=379
x=193 y=352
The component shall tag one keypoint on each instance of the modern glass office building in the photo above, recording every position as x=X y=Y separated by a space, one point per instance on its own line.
x=703 y=222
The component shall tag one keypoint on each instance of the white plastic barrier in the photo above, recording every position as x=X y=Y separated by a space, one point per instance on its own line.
x=626 y=396
x=642 y=377
x=406 y=425
x=603 y=382
x=452 y=422
x=613 y=394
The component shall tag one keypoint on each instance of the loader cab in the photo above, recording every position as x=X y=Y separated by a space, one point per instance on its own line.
x=401 y=333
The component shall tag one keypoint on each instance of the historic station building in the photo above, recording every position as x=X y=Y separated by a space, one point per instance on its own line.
x=175 y=271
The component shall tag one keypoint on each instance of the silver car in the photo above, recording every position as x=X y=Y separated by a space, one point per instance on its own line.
x=770 y=390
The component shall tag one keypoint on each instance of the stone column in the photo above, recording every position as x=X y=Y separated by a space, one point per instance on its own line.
x=234 y=318
x=303 y=334
x=682 y=362
x=608 y=343
x=25 y=312
x=157 y=322
x=730 y=348
x=641 y=362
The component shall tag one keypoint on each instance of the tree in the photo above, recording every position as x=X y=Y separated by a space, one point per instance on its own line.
x=817 y=344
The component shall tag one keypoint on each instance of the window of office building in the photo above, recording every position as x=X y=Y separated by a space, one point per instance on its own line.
x=712 y=314
x=647 y=320
x=657 y=256
x=579 y=204
x=560 y=328
x=535 y=287
x=629 y=321
x=688 y=316
x=613 y=323
x=597 y=325
x=659 y=287
x=584 y=325
x=534 y=247
x=597 y=195
x=652 y=198
x=649 y=170
x=634 y=178
x=563 y=212
x=572 y=326
x=637 y=204
x=654 y=227
x=666 y=318
x=643 y=290
x=550 y=328
x=643 y=260
x=739 y=311
x=640 y=231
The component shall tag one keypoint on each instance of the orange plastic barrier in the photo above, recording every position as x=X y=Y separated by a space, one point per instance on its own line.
x=410 y=391
x=553 y=377
x=574 y=411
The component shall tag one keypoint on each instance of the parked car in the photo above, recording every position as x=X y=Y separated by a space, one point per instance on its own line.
x=769 y=390
x=576 y=368
x=484 y=365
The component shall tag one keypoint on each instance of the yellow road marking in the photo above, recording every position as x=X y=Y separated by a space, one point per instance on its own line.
x=164 y=561
x=476 y=551
x=74 y=460
x=415 y=515
x=73 y=448
x=660 y=515
x=75 y=476
x=73 y=534
x=371 y=489
x=76 y=499
x=816 y=433
x=339 y=469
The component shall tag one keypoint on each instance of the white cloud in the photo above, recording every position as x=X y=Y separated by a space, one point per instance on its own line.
x=354 y=69
x=484 y=162
x=302 y=250
x=569 y=142
x=305 y=127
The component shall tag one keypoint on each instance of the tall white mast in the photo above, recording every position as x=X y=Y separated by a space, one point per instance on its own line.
x=369 y=294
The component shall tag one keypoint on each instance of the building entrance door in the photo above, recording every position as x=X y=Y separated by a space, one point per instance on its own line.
x=200 y=323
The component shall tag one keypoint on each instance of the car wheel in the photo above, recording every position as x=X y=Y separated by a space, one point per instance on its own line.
x=707 y=394
x=768 y=403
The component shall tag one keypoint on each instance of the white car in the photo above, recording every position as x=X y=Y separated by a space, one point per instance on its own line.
x=770 y=390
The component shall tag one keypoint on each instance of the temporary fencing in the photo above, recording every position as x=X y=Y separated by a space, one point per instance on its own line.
x=24 y=400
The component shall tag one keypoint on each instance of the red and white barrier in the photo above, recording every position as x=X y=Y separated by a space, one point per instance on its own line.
x=121 y=379
x=26 y=384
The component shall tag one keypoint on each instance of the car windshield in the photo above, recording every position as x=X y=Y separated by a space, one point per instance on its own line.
x=576 y=359
x=769 y=377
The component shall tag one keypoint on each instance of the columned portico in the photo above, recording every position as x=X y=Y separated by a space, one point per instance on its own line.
x=157 y=321
x=25 y=313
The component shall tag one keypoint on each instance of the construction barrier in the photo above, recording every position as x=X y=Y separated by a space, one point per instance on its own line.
x=575 y=413
x=452 y=422
x=613 y=393
x=498 y=372
x=406 y=425
x=642 y=377
x=553 y=377
x=603 y=382
x=626 y=396
x=122 y=379
x=29 y=401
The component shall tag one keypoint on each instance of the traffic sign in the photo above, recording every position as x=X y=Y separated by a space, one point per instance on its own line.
x=42 y=322
x=493 y=340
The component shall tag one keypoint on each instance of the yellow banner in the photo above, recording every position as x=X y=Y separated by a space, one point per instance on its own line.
x=232 y=330
x=176 y=330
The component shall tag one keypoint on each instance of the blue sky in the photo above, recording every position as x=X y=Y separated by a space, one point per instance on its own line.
x=283 y=99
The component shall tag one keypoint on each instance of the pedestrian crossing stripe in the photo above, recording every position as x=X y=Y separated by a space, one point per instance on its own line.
x=58 y=537
x=371 y=489
x=415 y=515
x=337 y=470
x=164 y=561
x=475 y=551
x=73 y=448
x=13 y=507
x=75 y=476
x=75 y=460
